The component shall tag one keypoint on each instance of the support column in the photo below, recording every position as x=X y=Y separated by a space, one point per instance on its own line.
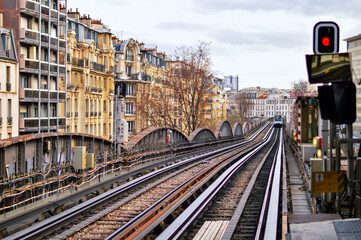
x=20 y=165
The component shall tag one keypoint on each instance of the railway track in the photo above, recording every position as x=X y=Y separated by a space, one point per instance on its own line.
x=105 y=216
x=256 y=214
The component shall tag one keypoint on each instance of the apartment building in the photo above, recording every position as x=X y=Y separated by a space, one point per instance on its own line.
x=216 y=104
x=9 y=85
x=90 y=76
x=354 y=50
x=140 y=67
x=40 y=34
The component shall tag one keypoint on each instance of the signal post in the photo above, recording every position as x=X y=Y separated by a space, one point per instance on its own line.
x=337 y=98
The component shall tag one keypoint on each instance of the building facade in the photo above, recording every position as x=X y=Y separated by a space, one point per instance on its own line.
x=354 y=50
x=90 y=77
x=231 y=83
x=40 y=34
x=9 y=85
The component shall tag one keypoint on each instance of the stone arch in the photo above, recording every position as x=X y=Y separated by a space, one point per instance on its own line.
x=223 y=129
x=201 y=135
x=246 y=127
x=154 y=136
x=237 y=130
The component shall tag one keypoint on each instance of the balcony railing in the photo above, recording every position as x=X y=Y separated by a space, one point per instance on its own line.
x=10 y=120
x=111 y=69
x=97 y=67
x=29 y=7
x=29 y=65
x=44 y=94
x=62 y=71
x=44 y=67
x=53 y=42
x=61 y=96
x=77 y=62
x=29 y=36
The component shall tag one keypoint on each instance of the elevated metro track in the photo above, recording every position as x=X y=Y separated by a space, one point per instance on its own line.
x=104 y=177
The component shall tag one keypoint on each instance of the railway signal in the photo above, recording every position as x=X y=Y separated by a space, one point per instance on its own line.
x=326 y=37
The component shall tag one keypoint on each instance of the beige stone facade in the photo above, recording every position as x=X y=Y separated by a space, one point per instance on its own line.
x=90 y=77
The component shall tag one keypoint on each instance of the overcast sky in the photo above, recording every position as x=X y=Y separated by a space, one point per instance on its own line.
x=263 y=42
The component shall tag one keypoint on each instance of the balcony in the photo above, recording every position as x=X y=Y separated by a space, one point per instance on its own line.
x=29 y=95
x=44 y=40
x=29 y=37
x=54 y=70
x=62 y=71
x=30 y=8
x=53 y=15
x=53 y=43
x=29 y=65
x=97 y=67
x=77 y=62
x=8 y=87
x=45 y=13
x=45 y=68
x=62 y=97
x=62 y=18
x=44 y=95
x=10 y=120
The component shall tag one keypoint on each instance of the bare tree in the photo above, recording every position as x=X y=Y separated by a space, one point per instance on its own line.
x=182 y=96
x=190 y=79
x=300 y=86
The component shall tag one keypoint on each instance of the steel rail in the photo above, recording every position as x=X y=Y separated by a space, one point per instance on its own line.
x=267 y=195
x=48 y=225
x=273 y=208
x=151 y=211
x=231 y=227
x=181 y=223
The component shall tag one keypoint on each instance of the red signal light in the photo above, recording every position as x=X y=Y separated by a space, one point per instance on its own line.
x=326 y=41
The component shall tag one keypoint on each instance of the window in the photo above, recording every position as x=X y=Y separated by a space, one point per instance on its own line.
x=105 y=106
x=129 y=89
x=105 y=83
x=129 y=108
x=129 y=70
x=130 y=126
x=129 y=55
x=104 y=129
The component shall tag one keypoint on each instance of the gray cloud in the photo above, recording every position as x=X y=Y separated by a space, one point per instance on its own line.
x=261 y=40
x=184 y=26
x=305 y=7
